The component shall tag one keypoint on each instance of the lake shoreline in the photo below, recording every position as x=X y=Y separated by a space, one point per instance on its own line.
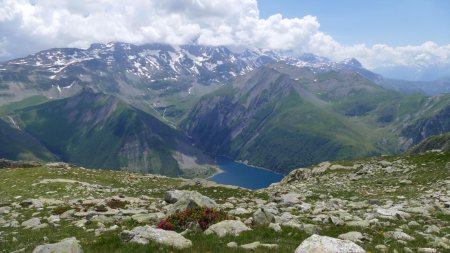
x=243 y=175
x=261 y=168
x=217 y=172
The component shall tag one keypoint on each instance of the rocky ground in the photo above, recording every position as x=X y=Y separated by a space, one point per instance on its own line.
x=385 y=204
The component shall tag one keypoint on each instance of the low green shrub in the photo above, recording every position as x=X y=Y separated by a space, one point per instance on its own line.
x=116 y=204
x=189 y=218
x=61 y=209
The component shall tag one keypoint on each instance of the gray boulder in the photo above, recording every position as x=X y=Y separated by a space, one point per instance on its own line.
x=69 y=245
x=31 y=223
x=353 y=236
x=143 y=235
x=263 y=216
x=182 y=200
x=227 y=227
x=254 y=245
x=398 y=235
x=290 y=199
x=392 y=213
x=325 y=244
x=5 y=210
x=239 y=211
x=174 y=196
x=275 y=227
x=148 y=217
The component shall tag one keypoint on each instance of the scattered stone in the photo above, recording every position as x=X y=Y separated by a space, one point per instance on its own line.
x=408 y=250
x=374 y=201
x=53 y=219
x=263 y=216
x=413 y=224
x=392 y=213
x=290 y=199
x=26 y=203
x=405 y=181
x=239 y=211
x=336 y=221
x=255 y=245
x=426 y=250
x=227 y=227
x=353 y=236
x=67 y=214
x=398 y=235
x=310 y=229
x=432 y=229
x=251 y=246
x=232 y=245
x=69 y=245
x=325 y=244
x=381 y=248
x=31 y=223
x=143 y=235
x=227 y=205
x=174 y=196
x=147 y=218
x=5 y=210
x=359 y=223
x=275 y=227
x=384 y=163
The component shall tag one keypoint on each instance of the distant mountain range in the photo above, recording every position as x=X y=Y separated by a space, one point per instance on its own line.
x=160 y=79
x=157 y=108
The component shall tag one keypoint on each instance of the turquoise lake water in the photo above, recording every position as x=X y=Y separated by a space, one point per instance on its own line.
x=242 y=175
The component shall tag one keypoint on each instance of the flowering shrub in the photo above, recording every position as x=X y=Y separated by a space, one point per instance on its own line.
x=202 y=216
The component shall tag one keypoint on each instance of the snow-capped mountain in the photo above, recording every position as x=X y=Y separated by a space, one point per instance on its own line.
x=150 y=76
x=153 y=62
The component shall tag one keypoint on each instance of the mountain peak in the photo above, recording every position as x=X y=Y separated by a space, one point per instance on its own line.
x=352 y=62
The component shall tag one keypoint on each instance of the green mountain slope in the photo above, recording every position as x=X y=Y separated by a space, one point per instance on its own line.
x=17 y=145
x=101 y=131
x=435 y=142
x=282 y=117
x=273 y=120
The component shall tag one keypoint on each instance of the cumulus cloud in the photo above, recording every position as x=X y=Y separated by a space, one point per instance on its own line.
x=27 y=26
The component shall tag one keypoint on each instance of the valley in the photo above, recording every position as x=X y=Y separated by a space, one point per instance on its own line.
x=165 y=109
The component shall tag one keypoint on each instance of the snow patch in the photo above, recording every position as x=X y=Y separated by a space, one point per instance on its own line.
x=14 y=122
x=68 y=87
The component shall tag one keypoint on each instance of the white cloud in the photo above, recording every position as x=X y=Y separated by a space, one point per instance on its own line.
x=27 y=26
x=3 y=45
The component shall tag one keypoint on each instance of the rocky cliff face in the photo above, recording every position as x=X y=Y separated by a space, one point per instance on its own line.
x=433 y=124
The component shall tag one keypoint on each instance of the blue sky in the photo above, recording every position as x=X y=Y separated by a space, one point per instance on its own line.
x=392 y=22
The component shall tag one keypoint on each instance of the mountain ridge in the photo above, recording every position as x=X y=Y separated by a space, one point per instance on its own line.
x=97 y=130
x=282 y=117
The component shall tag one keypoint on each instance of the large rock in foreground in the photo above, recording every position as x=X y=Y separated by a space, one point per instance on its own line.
x=325 y=244
x=69 y=245
x=182 y=200
x=227 y=227
x=145 y=234
x=263 y=216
